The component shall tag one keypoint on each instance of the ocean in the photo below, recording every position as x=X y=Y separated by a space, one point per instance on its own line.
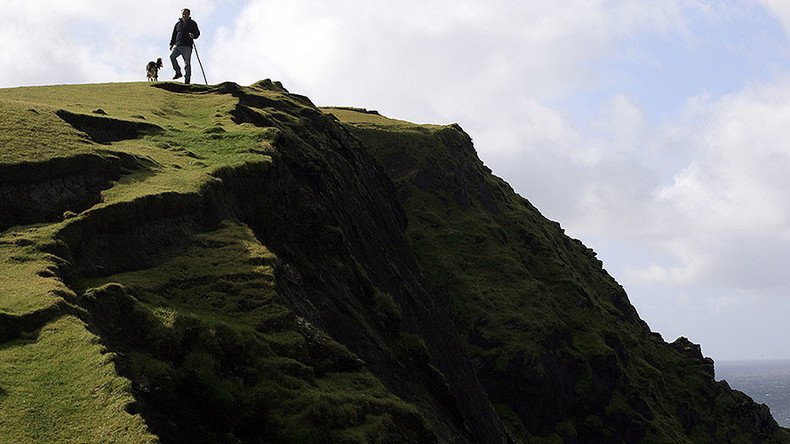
x=767 y=382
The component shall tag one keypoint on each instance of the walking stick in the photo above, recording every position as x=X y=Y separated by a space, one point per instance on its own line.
x=200 y=63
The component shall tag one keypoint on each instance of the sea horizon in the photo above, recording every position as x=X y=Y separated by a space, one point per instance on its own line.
x=767 y=381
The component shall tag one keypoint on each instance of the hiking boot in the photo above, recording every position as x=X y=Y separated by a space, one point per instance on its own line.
x=177 y=76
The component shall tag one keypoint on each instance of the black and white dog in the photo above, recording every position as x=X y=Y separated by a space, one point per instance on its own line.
x=152 y=70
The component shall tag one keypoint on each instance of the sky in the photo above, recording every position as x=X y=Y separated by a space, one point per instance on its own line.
x=655 y=132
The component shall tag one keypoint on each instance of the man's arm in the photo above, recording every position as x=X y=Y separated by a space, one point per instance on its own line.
x=195 y=30
x=173 y=37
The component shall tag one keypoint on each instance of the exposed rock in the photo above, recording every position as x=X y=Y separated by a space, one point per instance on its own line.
x=105 y=129
x=42 y=192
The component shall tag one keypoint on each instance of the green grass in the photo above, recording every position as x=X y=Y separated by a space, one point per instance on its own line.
x=363 y=118
x=127 y=101
x=199 y=136
x=32 y=132
x=199 y=139
x=76 y=396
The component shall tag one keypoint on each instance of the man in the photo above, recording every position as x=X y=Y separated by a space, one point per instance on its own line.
x=184 y=33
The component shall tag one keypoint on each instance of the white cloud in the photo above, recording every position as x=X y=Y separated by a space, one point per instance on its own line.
x=79 y=41
x=688 y=203
x=726 y=218
x=446 y=56
x=739 y=179
x=781 y=9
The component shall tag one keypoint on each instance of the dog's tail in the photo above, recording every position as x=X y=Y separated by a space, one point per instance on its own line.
x=159 y=62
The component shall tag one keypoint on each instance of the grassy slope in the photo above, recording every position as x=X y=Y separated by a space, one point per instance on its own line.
x=558 y=346
x=61 y=386
x=189 y=121
x=209 y=352
x=209 y=331
x=29 y=131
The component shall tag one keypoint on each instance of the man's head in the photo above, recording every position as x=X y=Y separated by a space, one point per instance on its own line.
x=185 y=13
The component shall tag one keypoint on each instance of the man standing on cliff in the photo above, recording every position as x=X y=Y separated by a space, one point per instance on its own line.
x=184 y=33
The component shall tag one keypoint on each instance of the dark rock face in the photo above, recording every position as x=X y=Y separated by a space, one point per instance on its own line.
x=43 y=192
x=694 y=352
x=332 y=215
x=106 y=129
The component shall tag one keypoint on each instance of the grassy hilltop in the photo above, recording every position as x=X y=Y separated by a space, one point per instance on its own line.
x=120 y=272
x=232 y=264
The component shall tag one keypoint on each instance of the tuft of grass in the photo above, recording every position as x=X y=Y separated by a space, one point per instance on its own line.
x=75 y=397
x=224 y=274
x=32 y=133
x=28 y=281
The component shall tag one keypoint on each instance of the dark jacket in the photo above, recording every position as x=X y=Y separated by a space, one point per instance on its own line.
x=181 y=33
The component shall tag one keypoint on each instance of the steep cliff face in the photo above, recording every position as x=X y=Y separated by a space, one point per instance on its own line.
x=556 y=343
x=225 y=263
